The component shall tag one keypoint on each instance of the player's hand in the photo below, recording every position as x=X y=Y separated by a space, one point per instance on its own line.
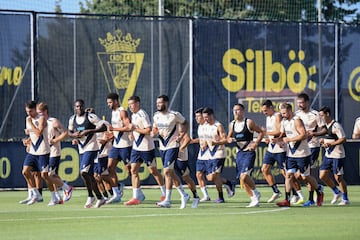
x=131 y=137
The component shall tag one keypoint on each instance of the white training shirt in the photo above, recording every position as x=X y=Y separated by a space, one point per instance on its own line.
x=357 y=126
x=39 y=145
x=104 y=149
x=142 y=142
x=337 y=151
x=303 y=150
x=55 y=149
x=311 y=120
x=168 y=130
x=201 y=132
x=211 y=133
x=121 y=139
x=270 y=126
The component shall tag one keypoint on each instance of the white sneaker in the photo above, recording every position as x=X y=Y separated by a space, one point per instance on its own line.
x=274 y=197
x=67 y=194
x=184 y=200
x=89 y=202
x=254 y=202
x=53 y=203
x=114 y=199
x=32 y=201
x=99 y=203
x=164 y=204
x=25 y=201
x=336 y=198
x=294 y=199
x=205 y=199
x=344 y=202
x=195 y=202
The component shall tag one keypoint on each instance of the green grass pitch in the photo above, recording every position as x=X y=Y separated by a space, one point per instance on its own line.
x=231 y=220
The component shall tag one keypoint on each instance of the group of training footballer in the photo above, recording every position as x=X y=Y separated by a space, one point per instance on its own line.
x=294 y=140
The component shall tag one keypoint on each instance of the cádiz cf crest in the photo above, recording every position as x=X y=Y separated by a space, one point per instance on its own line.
x=120 y=63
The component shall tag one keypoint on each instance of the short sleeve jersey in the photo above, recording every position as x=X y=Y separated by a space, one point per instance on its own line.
x=39 y=144
x=211 y=133
x=104 y=148
x=270 y=126
x=336 y=131
x=121 y=139
x=311 y=120
x=201 y=132
x=55 y=149
x=296 y=149
x=357 y=126
x=142 y=142
x=168 y=130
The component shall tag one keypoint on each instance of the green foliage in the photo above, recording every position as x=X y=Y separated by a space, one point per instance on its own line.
x=280 y=10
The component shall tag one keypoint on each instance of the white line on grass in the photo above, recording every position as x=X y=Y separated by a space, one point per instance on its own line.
x=143 y=215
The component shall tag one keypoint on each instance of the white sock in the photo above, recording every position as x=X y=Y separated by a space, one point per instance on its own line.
x=163 y=190
x=65 y=187
x=57 y=196
x=204 y=191
x=36 y=193
x=136 y=193
x=29 y=193
x=53 y=196
x=300 y=194
x=253 y=193
x=168 y=195
x=181 y=190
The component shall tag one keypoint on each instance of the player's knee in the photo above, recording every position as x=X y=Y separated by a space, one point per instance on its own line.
x=210 y=177
x=322 y=175
x=265 y=169
x=199 y=175
x=338 y=178
x=243 y=177
x=25 y=173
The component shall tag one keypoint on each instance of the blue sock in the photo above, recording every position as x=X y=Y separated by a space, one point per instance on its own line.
x=345 y=197
x=336 y=190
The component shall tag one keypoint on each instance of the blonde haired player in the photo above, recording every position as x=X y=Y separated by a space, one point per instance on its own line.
x=56 y=133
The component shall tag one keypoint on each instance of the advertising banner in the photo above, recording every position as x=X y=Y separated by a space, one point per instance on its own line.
x=88 y=58
x=349 y=73
x=196 y=62
x=12 y=155
x=250 y=62
x=15 y=73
